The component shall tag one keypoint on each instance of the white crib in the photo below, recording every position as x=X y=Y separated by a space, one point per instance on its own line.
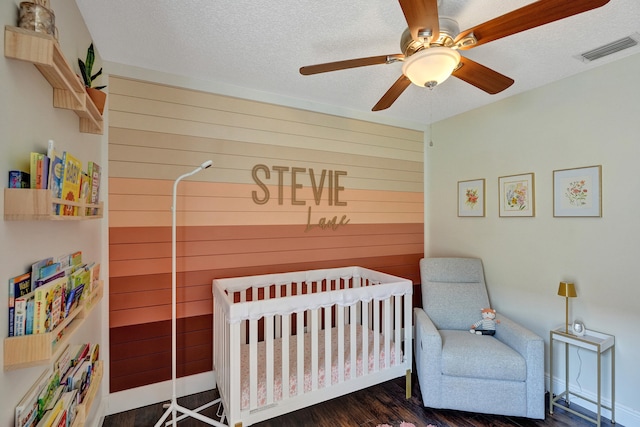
x=356 y=325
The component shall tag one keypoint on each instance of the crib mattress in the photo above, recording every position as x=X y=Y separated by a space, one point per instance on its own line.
x=322 y=376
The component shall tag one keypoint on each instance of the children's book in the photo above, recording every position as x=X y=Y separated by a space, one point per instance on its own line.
x=94 y=170
x=72 y=298
x=85 y=188
x=19 y=179
x=61 y=419
x=48 y=305
x=47 y=392
x=18 y=286
x=56 y=172
x=63 y=362
x=27 y=410
x=75 y=259
x=70 y=183
x=95 y=276
x=31 y=304
x=35 y=270
x=22 y=324
x=78 y=375
x=42 y=172
x=45 y=280
x=33 y=168
x=95 y=353
x=70 y=403
x=50 y=415
x=49 y=270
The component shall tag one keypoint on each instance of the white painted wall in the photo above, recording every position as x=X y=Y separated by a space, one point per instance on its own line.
x=589 y=119
x=27 y=121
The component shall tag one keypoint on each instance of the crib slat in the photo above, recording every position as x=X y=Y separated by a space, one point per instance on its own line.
x=286 y=328
x=314 y=348
x=353 y=341
x=300 y=352
x=397 y=337
x=376 y=336
x=269 y=359
x=387 y=332
x=327 y=347
x=365 y=338
x=243 y=324
x=340 y=324
x=253 y=363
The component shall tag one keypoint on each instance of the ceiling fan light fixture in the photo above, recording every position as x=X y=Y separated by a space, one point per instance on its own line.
x=430 y=67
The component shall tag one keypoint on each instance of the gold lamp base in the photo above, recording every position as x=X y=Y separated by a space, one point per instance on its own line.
x=567 y=290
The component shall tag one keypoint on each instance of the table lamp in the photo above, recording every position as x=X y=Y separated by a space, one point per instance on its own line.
x=567 y=290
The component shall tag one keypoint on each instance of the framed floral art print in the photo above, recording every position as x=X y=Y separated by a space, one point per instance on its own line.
x=471 y=198
x=578 y=192
x=517 y=195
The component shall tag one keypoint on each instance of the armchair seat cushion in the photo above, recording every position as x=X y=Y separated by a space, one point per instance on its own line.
x=480 y=356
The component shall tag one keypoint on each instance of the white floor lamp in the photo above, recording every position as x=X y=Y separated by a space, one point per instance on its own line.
x=173 y=408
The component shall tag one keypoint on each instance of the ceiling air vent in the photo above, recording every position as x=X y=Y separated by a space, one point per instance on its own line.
x=610 y=48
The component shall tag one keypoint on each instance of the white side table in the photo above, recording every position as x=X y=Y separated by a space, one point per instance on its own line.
x=593 y=341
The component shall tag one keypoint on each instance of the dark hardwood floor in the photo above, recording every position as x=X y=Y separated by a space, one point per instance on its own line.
x=383 y=403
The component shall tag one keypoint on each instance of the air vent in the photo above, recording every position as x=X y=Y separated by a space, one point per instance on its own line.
x=610 y=48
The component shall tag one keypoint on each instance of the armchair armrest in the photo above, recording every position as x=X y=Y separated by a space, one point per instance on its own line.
x=519 y=338
x=531 y=347
x=428 y=356
x=426 y=332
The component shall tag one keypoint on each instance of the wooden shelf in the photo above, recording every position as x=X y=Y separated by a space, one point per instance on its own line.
x=82 y=410
x=39 y=349
x=27 y=204
x=68 y=91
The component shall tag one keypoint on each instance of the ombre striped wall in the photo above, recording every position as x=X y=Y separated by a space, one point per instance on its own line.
x=289 y=190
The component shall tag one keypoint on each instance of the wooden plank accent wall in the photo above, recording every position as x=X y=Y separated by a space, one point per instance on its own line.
x=289 y=190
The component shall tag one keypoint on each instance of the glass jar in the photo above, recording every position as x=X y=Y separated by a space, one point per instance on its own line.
x=36 y=17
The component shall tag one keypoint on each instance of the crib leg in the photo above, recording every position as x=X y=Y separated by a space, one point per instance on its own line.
x=408 y=384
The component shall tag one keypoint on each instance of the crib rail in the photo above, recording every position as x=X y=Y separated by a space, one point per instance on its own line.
x=282 y=342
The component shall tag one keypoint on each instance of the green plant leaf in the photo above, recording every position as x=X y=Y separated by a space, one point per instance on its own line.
x=91 y=57
x=96 y=75
x=83 y=71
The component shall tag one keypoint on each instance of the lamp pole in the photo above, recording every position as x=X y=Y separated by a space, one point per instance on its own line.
x=173 y=408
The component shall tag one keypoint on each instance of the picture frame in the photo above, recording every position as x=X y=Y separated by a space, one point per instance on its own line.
x=516 y=195
x=577 y=192
x=471 y=198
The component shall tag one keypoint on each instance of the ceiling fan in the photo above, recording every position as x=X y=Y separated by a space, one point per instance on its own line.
x=430 y=45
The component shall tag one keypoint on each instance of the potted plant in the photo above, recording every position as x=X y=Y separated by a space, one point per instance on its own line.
x=86 y=68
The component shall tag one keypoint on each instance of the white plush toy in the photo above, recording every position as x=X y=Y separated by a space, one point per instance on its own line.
x=486 y=325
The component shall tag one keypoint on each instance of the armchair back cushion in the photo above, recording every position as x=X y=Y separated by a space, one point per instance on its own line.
x=455 y=291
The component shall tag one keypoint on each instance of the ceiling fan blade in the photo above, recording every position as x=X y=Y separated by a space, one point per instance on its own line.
x=530 y=16
x=421 y=15
x=349 y=63
x=481 y=77
x=392 y=94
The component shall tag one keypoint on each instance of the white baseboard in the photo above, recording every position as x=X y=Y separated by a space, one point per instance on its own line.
x=160 y=392
x=623 y=414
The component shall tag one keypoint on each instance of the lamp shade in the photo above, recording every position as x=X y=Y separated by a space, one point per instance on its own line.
x=430 y=67
x=567 y=290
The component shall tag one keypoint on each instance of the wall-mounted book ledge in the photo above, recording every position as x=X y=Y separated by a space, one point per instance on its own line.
x=39 y=349
x=26 y=204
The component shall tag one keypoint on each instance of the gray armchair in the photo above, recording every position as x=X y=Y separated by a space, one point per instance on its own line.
x=501 y=374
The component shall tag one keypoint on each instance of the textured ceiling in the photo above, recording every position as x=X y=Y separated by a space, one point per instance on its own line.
x=260 y=45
